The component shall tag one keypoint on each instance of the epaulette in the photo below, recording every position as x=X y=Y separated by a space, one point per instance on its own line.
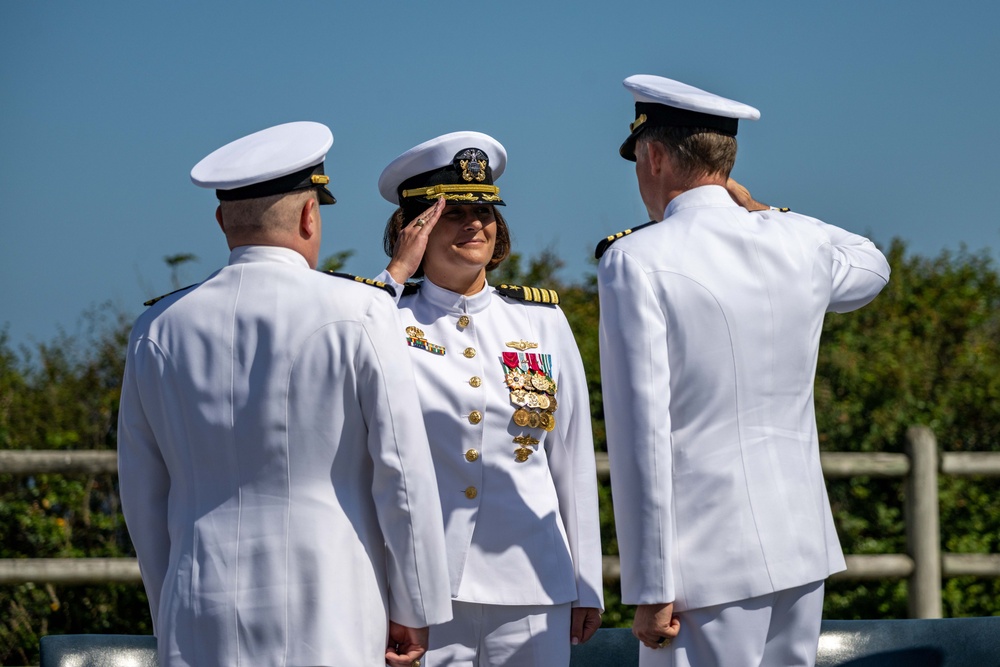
x=365 y=281
x=533 y=294
x=606 y=243
x=154 y=300
x=411 y=288
x=782 y=209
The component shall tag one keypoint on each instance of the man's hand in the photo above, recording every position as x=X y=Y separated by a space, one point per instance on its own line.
x=412 y=242
x=655 y=624
x=583 y=624
x=405 y=645
x=742 y=197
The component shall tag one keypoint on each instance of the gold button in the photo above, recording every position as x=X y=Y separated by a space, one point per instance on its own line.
x=471 y=492
x=469 y=352
x=475 y=381
x=475 y=416
x=463 y=321
x=471 y=455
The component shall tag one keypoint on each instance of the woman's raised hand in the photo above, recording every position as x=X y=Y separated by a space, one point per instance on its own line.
x=412 y=242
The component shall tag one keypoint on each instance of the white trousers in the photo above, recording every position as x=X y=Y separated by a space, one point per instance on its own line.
x=776 y=630
x=484 y=635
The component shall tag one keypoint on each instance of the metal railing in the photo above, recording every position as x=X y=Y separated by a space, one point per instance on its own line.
x=923 y=564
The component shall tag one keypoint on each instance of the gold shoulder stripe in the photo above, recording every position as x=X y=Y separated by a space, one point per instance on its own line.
x=605 y=243
x=164 y=296
x=365 y=281
x=530 y=294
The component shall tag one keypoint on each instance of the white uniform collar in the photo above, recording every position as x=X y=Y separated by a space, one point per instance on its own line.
x=706 y=196
x=451 y=301
x=246 y=254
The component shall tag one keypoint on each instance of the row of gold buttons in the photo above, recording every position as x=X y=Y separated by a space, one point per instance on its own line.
x=475 y=416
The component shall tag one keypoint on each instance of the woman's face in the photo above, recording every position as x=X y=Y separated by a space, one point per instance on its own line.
x=462 y=241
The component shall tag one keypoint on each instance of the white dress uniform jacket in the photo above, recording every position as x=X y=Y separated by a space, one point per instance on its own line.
x=710 y=330
x=517 y=532
x=274 y=470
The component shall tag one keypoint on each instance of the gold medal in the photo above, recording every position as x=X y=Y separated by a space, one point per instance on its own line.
x=519 y=397
x=515 y=380
x=540 y=382
x=544 y=401
x=534 y=420
x=531 y=400
x=551 y=422
x=521 y=417
x=553 y=404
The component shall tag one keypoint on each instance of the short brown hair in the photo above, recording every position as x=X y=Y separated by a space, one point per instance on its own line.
x=695 y=151
x=399 y=219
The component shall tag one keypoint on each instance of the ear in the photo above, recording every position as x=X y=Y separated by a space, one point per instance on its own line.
x=218 y=218
x=309 y=218
x=657 y=153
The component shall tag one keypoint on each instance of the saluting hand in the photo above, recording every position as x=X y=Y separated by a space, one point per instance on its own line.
x=412 y=242
x=655 y=625
x=742 y=197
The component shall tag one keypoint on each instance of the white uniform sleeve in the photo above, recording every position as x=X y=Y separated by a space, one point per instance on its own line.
x=404 y=487
x=859 y=270
x=387 y=278
x=574 y=473
x=635 y=379
x=144 y=483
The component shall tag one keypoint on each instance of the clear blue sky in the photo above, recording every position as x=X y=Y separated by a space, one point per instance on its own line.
x=877 y=116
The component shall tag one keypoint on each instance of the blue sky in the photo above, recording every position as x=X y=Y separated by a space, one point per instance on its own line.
x=876 y=116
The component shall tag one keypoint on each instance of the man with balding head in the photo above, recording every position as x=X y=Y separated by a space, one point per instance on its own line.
x=274 y=468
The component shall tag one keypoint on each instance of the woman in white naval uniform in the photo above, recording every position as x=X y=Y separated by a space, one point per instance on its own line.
x=506 y=408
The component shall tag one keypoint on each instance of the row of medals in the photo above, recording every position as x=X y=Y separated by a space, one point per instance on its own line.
x=534 y=394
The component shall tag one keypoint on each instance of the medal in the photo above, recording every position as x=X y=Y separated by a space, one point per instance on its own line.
x=519 y=397
x=534 y=419
x=544 y=401
x=540 y=382
x=521 y=417
x=550 y=423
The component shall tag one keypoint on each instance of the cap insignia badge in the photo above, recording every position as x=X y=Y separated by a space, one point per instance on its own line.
x=472 y=163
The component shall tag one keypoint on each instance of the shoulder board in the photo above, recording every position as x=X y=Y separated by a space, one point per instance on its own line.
x=365 y=281
x=411 y=288
x=606 y=242
x=533 y=294
x=164 y=296
x=782 y=209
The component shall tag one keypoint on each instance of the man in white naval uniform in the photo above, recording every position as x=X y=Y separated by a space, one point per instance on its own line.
x=505 y=404
x=710 y=329
x=274 y=467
